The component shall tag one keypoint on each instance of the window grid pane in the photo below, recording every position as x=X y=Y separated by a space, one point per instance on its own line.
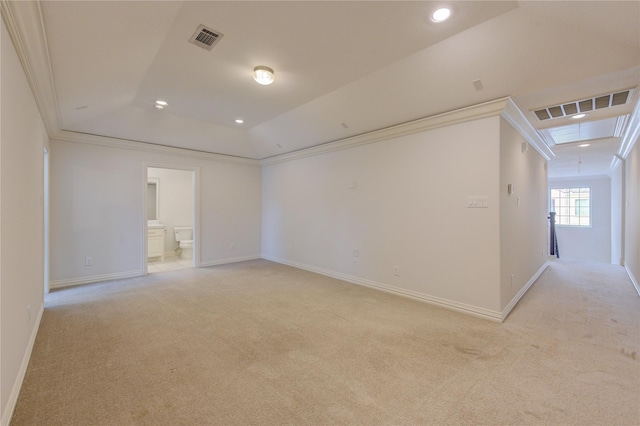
x=571 y=205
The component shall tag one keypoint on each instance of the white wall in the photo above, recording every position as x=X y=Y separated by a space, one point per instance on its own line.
x=175 y=202
x=22 y=142
x=523 y=214
x=632 y=215
x=97 y=209
x=408 y=210
x=593 y=243
x=617 y=215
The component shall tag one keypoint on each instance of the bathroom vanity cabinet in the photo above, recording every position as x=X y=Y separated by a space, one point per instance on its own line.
x=155 y=247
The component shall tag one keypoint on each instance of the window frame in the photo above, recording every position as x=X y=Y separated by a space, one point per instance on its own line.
x=572 y=205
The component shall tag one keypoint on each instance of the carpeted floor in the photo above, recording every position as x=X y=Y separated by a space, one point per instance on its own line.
x=257 y=343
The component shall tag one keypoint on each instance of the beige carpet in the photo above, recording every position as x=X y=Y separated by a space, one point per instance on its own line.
x=257 y=343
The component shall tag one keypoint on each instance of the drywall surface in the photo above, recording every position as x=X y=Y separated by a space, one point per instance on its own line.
x=592 y=244
x=523 y=213
x=632 y=215
x=393 y=214
x=97 y=209
x=617 y=215
x=23 y=141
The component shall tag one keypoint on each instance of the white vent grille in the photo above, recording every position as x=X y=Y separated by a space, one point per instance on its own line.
x=582 y=106
x=205 y=37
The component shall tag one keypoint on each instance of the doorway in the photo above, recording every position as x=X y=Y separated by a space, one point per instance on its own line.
x=171 y=222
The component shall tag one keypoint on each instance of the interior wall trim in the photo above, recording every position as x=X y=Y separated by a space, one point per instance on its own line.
x=66 y=136
x=476 y=112
x=632 y=133
x=422 y=297
x=17 y=385
x=229 y=260
x=516 y=118
x=507 y=310
x=94 y=279
x=632 y=278
x=25 y=25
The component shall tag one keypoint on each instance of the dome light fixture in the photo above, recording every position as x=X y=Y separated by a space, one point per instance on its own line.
x=577 y=116
x=263 y=75
x=160 y=104
x=441 y=14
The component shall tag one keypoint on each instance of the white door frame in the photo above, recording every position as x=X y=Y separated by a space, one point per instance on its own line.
x=196 y=210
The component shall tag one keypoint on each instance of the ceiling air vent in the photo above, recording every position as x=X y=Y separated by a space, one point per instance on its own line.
x=585 y=105
x=205 y=37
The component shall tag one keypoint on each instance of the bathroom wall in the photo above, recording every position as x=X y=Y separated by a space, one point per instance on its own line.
x=175 y=202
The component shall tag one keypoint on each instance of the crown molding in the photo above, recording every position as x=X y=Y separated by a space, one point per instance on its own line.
x=475 y=112
x=631 y=134
x=516 y=118
x=26 y=28
x=104 y=141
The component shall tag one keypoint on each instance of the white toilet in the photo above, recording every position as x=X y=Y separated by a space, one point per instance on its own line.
x=184 y=235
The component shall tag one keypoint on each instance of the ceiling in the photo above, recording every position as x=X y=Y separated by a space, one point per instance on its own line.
x=341 y=69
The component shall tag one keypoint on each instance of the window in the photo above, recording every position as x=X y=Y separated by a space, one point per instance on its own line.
x=572 y=206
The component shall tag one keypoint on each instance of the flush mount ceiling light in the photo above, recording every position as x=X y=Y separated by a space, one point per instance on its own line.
x=441 y=14
x=160 y=104
x=239 y=121
x=578 y=116
x=263 y=75
x=584 y=145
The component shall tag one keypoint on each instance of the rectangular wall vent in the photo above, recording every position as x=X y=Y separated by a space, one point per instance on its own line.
x=585 y=105
x=205 y=37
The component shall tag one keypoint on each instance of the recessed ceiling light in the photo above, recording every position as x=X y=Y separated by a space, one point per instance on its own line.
x=161 y=103
x=441 y=14
x=158 y=106
x=577 y=116
x=263 y=75
x=584 y=145
x=239 y=121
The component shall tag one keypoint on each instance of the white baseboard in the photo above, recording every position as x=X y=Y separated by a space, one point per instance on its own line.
x=445 y=303
x=17 y=385
x=204 y=264
x=523 y=290
x=93 y=279
x=633 y=279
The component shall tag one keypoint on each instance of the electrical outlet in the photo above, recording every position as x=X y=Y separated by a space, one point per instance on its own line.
x=396 y=271
x=88 y=261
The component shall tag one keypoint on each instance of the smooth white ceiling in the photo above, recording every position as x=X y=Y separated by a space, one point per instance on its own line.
x=342 y=68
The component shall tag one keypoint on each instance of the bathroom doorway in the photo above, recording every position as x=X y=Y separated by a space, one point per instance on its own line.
x=170 y=218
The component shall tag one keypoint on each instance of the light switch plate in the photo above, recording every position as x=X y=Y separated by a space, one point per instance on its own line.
x=477 y=201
